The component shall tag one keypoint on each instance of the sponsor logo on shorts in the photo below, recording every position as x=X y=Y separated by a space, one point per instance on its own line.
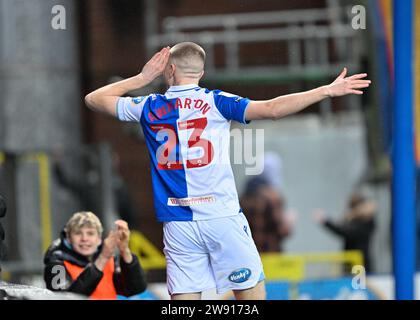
x=137 y=100
x=241 y=275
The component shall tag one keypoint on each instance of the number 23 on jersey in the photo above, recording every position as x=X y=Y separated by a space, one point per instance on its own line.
x=166 y=155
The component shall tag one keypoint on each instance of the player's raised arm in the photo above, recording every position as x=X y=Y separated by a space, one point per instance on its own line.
x=284 y=105
x=105 y=99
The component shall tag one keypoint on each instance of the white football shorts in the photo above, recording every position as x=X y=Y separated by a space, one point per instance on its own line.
x=205 y=254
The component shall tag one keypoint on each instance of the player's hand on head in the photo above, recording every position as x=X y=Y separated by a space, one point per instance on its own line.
x=348 y=85
x=156 y=65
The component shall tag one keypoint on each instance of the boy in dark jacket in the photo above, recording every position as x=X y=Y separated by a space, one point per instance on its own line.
x=80 y=262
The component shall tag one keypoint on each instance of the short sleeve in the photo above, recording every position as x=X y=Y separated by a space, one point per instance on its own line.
x=231 y=106
x=130 y=109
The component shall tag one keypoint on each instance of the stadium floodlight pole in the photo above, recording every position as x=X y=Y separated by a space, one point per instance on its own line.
x=403 y=173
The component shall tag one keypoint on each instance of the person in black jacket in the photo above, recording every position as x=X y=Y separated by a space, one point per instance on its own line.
x=356 y=228
x=80 y=262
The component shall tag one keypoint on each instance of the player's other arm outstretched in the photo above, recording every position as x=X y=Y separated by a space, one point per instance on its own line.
x=105 y=99
x=284 y=105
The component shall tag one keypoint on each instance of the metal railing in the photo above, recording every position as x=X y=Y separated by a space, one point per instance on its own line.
x=309 y=35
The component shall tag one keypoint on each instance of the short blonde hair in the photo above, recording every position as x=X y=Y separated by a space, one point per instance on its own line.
x=83 y=219
x=189 y=57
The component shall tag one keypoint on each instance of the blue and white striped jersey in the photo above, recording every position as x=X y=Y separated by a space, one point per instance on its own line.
x=187 y=132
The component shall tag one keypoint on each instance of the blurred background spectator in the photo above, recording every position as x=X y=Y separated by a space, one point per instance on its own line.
x=264 y=206
x=355 y=228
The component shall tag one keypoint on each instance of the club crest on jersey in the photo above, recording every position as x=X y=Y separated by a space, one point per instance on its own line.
x=240 y=275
